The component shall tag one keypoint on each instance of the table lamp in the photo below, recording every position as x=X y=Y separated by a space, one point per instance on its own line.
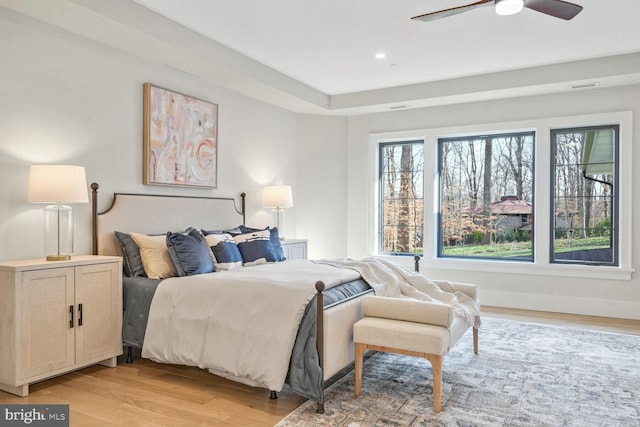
x=278 y=197
x=57 y=185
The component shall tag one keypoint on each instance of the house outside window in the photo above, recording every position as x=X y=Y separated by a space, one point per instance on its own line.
x=486 y=196
x=401 y=208
x=584 y=196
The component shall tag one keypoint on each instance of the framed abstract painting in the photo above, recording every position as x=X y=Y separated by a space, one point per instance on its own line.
x=180 y=139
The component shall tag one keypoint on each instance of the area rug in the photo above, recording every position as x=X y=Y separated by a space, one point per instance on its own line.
x=525 y=374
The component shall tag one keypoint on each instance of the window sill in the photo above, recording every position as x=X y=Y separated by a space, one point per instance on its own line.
x=519 y=268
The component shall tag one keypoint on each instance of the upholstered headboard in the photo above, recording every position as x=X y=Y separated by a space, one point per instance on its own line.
x=157 y=214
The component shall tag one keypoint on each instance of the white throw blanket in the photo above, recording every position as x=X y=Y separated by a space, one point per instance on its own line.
x=392 y=280
x=239 y=324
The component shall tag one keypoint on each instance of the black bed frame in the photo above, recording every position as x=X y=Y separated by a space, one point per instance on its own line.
x=320 y=286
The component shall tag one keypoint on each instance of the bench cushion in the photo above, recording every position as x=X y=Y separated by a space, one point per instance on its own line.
x=403 y=335
x=410 y=310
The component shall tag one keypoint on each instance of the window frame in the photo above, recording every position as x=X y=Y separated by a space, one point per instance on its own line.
x=615 y=199
x=541 y=265
x=380 y=216
x=493 y=135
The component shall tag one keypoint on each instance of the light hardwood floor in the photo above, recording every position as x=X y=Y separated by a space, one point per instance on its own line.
x=149 y=394
x=145 y=393
x=608 y=324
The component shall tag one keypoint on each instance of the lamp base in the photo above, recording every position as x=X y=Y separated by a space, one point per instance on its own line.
x=58 y=257
x=278 y=221
x=58 y=232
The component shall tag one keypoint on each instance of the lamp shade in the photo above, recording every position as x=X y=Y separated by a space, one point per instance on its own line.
x=277 y=196
x=57 y=184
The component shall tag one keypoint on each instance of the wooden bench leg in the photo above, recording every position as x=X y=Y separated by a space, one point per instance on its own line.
x=436 y=365
x=360 y=348
x=475 y=340
x=434 y=359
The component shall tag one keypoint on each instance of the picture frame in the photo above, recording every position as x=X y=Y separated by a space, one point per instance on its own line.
x=180 y=139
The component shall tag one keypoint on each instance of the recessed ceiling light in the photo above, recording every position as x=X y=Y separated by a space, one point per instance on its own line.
x=381 y=55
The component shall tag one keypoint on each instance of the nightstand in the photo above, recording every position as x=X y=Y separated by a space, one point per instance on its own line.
x=294 y=248
x=58 y=316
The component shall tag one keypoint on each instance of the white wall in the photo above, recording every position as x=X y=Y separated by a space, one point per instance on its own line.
x=602 y=296
x=65 y=99
x=321 y=205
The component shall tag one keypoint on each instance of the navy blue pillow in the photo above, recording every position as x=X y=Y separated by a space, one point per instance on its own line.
x=256 y=247
x=274 y=237
x=189 y=253
x=277 y=246
x=225 y=251
x=132 y=264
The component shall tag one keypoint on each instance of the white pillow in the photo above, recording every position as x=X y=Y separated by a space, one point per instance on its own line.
x=155 y=256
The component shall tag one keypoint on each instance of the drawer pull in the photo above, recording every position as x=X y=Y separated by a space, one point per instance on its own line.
x=79 y=314
x=71 y=316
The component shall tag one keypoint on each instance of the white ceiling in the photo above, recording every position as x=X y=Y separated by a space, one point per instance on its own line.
x=317 y=56
x=330 y=45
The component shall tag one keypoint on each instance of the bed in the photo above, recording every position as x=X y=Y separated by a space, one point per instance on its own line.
x=322 y=339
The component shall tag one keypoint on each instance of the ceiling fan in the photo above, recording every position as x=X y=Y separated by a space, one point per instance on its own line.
x=558 y=8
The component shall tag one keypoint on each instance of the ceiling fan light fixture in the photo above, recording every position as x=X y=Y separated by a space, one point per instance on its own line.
x=509 y=7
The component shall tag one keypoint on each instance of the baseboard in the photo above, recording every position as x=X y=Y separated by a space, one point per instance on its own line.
x=562 y=304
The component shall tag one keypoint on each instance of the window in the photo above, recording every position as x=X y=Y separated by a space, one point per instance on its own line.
x=486 y=196
x=584 y=189
x=541 y=240
x=401 y=197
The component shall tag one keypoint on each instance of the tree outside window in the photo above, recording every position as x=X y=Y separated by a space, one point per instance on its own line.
x=486 y=196
x=401 y=197
x=584 y=196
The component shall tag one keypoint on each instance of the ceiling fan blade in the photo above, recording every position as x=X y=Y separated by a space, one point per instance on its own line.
x=450 y=12
x=558 y=8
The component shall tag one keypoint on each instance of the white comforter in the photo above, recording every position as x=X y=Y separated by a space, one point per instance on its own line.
x=239 y=324
x=392 y=280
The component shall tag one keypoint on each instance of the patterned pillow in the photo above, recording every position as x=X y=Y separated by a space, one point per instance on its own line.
x=256 y=247
x=189 y=252
x=132 y=264
x=274 y=236
x=232 y=231
x=226 y=254
x=155 y=256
